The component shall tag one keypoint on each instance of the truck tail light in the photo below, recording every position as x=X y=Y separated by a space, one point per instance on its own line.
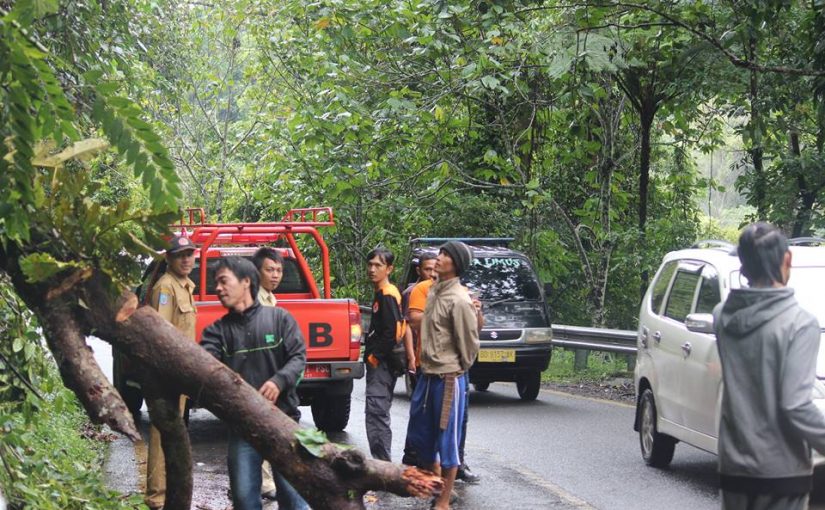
x=354 y=326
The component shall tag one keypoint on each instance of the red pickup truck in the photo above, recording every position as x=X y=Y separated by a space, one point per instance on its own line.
x=331 y=327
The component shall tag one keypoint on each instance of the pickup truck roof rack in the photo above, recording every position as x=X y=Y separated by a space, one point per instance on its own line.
x=307 y=217
x=296 y=221
x=806 y=241
x=473 y=241
x=713 y=244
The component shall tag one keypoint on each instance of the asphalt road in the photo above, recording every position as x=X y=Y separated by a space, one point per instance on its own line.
x=559 y=452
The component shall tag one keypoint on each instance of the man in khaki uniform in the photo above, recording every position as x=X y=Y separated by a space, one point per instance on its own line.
x=172 y=298
x=270 y=265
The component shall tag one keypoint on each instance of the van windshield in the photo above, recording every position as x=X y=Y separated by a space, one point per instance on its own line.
x=502 y=278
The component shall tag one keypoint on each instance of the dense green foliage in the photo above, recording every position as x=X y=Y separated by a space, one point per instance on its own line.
x=51 y=457
x=61 y=67
x=569 y=126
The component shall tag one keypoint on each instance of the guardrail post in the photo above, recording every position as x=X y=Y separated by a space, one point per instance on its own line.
x=580 y=359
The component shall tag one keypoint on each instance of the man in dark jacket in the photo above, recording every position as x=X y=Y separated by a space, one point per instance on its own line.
x=768 y=348
x=264 y=345
x=385 y=332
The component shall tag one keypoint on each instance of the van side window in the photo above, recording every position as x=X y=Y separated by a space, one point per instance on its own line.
x=681 y=295
x=709 y=295
x=660 y=286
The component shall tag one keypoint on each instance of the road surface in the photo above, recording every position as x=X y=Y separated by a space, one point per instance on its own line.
x=560 y=452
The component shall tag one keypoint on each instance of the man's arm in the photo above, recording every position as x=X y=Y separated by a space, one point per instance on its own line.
x=212 y=341
x=409 y=346
x=799 y=373
x=288 y=375
x=465 y=324
x=415 y=310
x=416 y=316
x=479 y=313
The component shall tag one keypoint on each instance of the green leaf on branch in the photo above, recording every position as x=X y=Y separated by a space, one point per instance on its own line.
x=312 y=440
x=38 y=267
x=133 y=138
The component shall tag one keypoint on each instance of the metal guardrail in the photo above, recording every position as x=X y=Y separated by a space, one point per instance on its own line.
x=577 y=337
x=594 y=339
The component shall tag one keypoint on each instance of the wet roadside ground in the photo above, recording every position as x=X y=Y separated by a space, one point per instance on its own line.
x=126 y=473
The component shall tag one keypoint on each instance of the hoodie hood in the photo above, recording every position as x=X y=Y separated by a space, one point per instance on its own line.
x=747 y=309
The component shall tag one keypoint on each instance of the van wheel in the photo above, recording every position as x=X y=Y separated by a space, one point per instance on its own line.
x=657 y=449
x=331 y=413
x=528 y=386
x=481 y=386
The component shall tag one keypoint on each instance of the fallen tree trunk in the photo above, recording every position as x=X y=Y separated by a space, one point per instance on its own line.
x=335 y=479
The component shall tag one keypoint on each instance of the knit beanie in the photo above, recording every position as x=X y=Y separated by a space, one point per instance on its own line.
x=461 y=254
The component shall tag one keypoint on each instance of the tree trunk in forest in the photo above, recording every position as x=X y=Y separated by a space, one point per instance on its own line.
x=81 y=303
x=756 y=152
x=805 y=194
x=646 y=116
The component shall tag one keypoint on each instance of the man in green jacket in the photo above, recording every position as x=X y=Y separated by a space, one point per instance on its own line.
x=264 y=345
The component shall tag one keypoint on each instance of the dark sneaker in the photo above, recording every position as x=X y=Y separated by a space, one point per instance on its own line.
x=466 y=475
x=270 y=495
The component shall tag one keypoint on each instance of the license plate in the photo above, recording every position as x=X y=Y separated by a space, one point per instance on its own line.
x=314 y=371
x=497 y=355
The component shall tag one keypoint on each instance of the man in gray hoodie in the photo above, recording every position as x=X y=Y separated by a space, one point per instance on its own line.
x=768 y=347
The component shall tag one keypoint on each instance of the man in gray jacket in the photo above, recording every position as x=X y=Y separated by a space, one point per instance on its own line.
x=768 y=348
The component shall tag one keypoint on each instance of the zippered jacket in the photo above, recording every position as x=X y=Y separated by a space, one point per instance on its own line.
x=261 y=344
x=768 y=348
x=449 y=330
x=386 y=325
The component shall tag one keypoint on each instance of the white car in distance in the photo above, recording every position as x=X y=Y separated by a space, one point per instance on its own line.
x=678 y=376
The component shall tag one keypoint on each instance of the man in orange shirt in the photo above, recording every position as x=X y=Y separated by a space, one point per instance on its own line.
x=426 y=271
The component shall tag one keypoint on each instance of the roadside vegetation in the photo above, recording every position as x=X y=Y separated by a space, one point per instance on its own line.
x=51 y=456
x=601 y=368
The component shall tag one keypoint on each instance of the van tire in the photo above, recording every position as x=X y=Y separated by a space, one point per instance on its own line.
x=331 y=412
x=481 y=386
x=657 y=449
x=528 y=386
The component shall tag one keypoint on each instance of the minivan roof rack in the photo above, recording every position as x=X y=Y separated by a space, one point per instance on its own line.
x=806 y=241
x=713 y=243
x=474 y=241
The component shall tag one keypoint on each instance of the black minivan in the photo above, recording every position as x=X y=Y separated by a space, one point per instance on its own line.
x=517 y=335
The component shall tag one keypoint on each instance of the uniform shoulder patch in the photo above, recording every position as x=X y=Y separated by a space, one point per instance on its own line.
x=163 y=299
